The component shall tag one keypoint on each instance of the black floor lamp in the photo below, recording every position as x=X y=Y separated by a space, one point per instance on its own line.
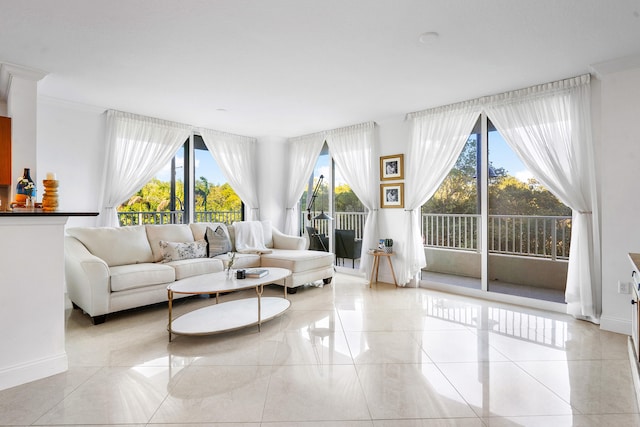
x=321 y=216
x=312 y=201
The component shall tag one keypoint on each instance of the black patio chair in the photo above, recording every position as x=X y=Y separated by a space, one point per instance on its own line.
x=317 y=241
x=347 y=246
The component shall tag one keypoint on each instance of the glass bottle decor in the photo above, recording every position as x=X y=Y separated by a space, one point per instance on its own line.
x=26 y=188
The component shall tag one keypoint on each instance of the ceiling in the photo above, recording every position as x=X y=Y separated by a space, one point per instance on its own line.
x=291 y=67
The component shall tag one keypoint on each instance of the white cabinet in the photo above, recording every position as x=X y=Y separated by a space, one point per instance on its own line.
x=635 y=304
x=634 y=347
x=635 y=314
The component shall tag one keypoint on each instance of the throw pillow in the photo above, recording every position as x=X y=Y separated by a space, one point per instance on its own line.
x=218 y=241
x=175 y=251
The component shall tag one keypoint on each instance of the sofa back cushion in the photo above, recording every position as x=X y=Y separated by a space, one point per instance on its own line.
x=200 y=228
x=169 y=233
x=115 y=246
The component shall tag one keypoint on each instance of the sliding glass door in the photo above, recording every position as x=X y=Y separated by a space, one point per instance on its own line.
x=494 y=228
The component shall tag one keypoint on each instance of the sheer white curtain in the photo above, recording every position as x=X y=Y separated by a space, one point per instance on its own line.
x=354 y=152
x=303 y=154
x=137 y=147
x=236 y=156
x=549 y=128
x=438 y=137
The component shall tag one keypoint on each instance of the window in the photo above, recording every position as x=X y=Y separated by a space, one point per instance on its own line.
x=174 y=195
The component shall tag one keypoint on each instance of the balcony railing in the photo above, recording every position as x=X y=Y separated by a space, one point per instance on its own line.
x=226 y=217
x=536 y=236
x=177 y=217
x=158 y=217
x=351 y=221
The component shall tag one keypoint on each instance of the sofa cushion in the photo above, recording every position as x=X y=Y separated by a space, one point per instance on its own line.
x=115 y=246
x=176 y=251
x=218 y=241
x=168 y=233
x=195 y=267
x=241 y=261
x=133 y=276
x=296 y=260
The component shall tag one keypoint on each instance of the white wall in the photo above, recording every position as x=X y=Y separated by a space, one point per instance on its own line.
x=71 y=144
x=394 y=135
x=619 y=166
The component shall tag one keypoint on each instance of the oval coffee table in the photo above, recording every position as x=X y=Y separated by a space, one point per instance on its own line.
x=230 y=315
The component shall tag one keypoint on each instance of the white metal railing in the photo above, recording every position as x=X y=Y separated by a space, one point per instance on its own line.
x=176 y=217
x=537 y=236
x=342 y=221
x=351 y=221
x=453 y=231
x=156 y=217
x=226 y=217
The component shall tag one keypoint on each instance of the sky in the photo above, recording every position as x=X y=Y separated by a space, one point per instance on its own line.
x=205 y=166
x=499 y=154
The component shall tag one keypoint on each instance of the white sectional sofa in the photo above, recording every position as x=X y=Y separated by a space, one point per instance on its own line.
x=113 y=269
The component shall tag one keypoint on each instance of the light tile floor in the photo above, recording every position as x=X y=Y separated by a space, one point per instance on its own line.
x=342 y=355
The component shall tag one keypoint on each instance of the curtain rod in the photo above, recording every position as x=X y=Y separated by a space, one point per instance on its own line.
x=324 y=133
x=543 y=87
x=194 y=129
x=221 y=133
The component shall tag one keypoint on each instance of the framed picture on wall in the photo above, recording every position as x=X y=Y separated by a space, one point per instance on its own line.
x=392 y=195
x=392 y=167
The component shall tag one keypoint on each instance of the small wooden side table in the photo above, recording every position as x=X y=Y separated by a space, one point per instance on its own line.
x=376 y=266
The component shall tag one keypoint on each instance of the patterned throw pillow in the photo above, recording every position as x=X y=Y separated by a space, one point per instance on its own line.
x=175 y=251
x=218 y=240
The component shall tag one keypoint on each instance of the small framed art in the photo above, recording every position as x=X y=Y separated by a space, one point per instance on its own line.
x=392 y=195
x=392 y=167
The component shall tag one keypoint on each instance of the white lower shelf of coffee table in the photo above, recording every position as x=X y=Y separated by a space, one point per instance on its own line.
x=228 y=316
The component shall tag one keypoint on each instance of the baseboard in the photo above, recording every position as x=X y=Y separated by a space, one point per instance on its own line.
x=33 y=370
x=613 y=324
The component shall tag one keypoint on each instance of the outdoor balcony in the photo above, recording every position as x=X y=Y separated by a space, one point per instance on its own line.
x=528 y=255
